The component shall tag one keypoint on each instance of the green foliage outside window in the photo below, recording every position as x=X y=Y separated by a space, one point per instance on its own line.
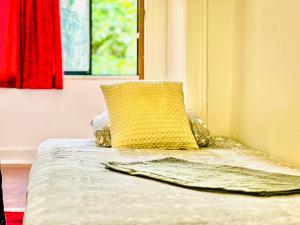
x=75 y=35
x=114 y=36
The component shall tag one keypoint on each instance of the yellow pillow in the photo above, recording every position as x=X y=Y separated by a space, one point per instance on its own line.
x=148 y=115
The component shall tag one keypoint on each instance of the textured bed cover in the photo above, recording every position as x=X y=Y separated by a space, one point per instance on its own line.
x=69 y=185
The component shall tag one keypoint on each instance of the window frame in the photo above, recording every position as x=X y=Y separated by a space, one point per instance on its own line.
x=140 y=45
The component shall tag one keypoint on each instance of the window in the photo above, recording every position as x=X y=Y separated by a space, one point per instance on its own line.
x=103 y=37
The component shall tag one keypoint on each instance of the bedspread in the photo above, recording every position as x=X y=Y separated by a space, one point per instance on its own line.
x=69 y=185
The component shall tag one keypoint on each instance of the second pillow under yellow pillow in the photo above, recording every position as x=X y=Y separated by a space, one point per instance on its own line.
x=148 y=115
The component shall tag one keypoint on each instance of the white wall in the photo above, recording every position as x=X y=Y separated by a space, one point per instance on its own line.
x=177 y=41
x=156 y=39
x=28 y=117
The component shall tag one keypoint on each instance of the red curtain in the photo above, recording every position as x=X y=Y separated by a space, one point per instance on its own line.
x=30 y=44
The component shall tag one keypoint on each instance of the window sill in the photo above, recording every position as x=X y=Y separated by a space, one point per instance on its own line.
x=91 y=77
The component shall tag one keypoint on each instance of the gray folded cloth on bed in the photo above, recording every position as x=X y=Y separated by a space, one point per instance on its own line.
x=210 y=177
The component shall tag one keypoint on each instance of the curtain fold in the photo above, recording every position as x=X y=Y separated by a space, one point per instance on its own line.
x=30 y=44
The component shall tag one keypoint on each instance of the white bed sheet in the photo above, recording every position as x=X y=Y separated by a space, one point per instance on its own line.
x=68 y=186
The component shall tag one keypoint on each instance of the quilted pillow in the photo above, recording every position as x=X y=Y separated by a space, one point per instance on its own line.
x=101 y=129
x=146 y=115
x=199 y=129
x=100 y=125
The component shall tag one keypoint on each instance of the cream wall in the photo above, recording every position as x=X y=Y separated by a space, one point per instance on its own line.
x=197 y=56
x=253 y=71
x=266 y=76
x=156 y=39
x=177 y=41
x=210 y=61
x=219 y=65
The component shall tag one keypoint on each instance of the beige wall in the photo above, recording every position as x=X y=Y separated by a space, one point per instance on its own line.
x=156 y=39
x=176 y=41
x=210 y=61
x=253 y=71
x=197 y=56
x=266 y=76
x=219 y=65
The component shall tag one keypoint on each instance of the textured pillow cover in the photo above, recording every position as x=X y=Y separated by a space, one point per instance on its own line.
x=146 y=115
x=101 y=129
x=199 y=129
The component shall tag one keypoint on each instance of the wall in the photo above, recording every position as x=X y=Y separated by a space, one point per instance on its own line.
x=156 y=39
x=28 y=117
x=209 y=54
x=177 y=42
x=197 y=56
x=266 y=77
x=253 y=71
x=219 y=65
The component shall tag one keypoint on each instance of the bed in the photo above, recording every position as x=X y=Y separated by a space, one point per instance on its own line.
x=69 y=185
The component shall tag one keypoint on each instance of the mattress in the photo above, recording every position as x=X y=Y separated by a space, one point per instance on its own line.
x=69 y=185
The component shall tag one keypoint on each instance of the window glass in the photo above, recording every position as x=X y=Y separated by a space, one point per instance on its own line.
x=113 y=26
x=76 y=35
